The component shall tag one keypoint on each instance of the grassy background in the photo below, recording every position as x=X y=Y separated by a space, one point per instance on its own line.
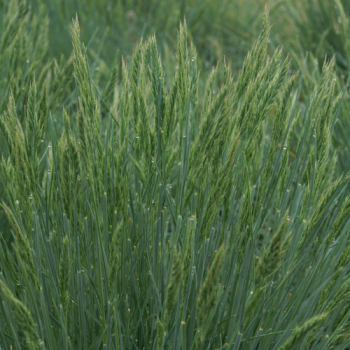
x=220 y=28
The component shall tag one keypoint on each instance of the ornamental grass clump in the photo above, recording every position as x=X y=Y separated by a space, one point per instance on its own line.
x=155 y=211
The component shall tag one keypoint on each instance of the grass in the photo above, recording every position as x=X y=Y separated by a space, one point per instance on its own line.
x=157 y=208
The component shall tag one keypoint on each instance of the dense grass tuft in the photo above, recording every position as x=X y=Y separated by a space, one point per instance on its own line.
x=151 y=210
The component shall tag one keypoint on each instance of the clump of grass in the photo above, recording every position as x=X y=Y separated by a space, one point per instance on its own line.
x=152 y=210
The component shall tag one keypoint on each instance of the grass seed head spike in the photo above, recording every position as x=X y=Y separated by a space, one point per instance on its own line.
x=207 y=294
x=175 y=281
x=311 y=325
x=23 y=248
x=23 y=318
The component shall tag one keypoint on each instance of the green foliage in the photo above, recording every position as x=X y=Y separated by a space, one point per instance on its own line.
x=169 y=210
x=22 y=317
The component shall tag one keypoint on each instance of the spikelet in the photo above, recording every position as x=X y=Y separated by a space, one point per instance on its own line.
x=279 y=128
x=182 y=59
x=109 y=89
x=33 y=130
x=272 y=258
x=339 y=223
x=160 y=334
x=23 y=318
x=81 y=71
x=174 y=285
x=342 y=295
x=319 y=210
x=82 y=136
x=253 y=301
x=207 y=293
x=7 y=176
x=220 y=188
x=300 y=333
x=135 y=68
x=65 y=179
x=254 y=59
x=43 y=110
x=64 y=274
x=23 y=248
x=156 y=76
x=143 y=128
x=170 y=115
x=5 y=131
x=340 y=337
x=187 y=258
x=113 y=258
x=61 y=80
